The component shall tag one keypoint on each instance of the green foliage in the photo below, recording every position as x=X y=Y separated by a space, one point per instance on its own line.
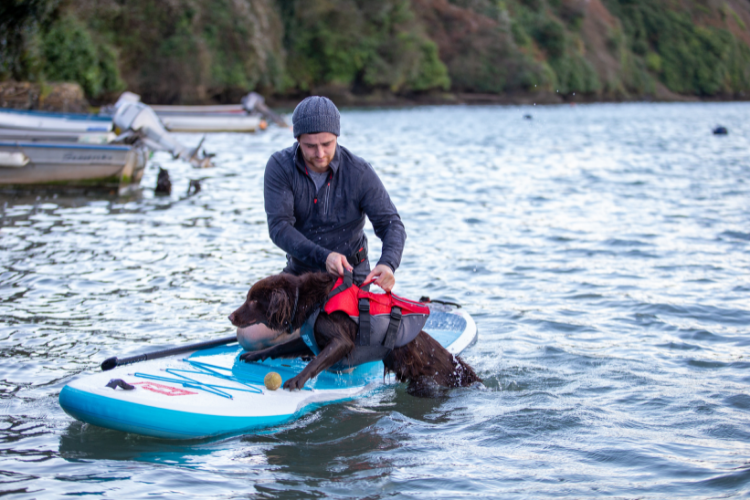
x=20 y=25
x=225 y=33
x=359 y=44
x=653 y=62
x=483 y=47
x=575 y=74
x=615 y=39
x=192 y=50
x=737 y=19
x=71 y=55
x=635 y=75
x=550 y=35
x=688 y=57
x=195 y=50
x=520 y=35
x=432 y=72
x=552 y=28
x=571 y=12
x=696 y=59
x=41 y=43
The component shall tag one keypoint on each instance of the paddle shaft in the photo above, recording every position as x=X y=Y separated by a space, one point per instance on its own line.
x=113 y=362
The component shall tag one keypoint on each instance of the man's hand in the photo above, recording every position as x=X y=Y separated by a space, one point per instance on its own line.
x=382 y=276
x=336 y=263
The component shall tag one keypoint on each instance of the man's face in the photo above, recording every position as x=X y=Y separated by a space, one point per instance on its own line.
x=318 y=149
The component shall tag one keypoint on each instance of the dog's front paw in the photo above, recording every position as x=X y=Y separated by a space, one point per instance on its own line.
x=251 y=356
x=294 y=383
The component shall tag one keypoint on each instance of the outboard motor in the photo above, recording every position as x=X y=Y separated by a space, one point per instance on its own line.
x=255 y=103
x=134 y=117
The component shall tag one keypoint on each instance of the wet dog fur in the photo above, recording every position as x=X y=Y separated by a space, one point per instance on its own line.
x=423 y=363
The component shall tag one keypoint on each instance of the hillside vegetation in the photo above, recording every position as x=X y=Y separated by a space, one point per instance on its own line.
x=194 y=51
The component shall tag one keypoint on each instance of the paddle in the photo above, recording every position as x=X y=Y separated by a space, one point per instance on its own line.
x=112 y=362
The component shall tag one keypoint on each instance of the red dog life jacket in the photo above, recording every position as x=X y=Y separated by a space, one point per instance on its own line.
x=385 y=321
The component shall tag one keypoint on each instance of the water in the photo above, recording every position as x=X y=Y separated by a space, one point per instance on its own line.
x=602 y=249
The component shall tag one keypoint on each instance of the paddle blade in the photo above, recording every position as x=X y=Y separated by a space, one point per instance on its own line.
x=109 y=363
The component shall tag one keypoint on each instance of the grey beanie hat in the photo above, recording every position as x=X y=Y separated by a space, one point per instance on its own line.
x=316 y=114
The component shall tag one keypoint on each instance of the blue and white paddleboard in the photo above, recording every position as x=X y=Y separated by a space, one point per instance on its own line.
x=212 y=392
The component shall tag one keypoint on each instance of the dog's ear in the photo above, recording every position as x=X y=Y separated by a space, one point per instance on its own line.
x=279 y=310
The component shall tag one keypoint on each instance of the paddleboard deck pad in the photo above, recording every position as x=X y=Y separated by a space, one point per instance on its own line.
x=212 y=392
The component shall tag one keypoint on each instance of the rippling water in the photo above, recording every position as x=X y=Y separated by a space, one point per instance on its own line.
x=603 y=251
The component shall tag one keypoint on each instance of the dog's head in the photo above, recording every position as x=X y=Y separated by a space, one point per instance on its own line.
x=270 y=301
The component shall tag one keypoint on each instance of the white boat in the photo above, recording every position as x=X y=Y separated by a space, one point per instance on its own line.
x=12 y=134
x=193 y=110
x=134 y=121
x=204 y=122
x=249 y=116
x=33 y=164
x=54 y=122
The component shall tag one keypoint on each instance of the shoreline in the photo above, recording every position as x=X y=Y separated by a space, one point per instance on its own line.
x=69 y=97
x=346 y=100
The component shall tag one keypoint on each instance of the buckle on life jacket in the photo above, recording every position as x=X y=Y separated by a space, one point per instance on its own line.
x=358 y=257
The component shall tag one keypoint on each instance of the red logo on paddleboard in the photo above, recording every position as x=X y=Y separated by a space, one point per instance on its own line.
x=164 y=389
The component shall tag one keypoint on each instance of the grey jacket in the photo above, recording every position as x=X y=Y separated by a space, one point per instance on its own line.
x=309 y=225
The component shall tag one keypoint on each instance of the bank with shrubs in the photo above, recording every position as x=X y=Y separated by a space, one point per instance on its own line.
x=382 y=52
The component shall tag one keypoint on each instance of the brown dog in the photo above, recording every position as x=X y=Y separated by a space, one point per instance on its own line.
x=424 y=363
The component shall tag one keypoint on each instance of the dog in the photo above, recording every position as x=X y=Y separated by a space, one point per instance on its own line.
x=284 y=302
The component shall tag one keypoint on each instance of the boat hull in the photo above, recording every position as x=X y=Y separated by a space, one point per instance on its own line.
x=61 y=122
x=75 y=165
x=162 y=109
x=175 y=122
x=16 y=135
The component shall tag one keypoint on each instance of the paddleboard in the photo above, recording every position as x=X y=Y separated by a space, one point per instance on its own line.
x=212 y=392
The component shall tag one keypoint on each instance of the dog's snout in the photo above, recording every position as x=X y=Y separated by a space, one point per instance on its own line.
x=231 y=318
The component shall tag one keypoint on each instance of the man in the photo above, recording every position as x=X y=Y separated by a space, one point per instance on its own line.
x=317 y=194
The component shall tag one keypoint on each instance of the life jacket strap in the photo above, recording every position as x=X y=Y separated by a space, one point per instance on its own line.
x=390 y=335
x=363 y=334
x=348 y=281
x=307 y=331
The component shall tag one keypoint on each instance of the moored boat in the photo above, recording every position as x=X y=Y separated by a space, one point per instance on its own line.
x=219 y=122
x=33 y=164
x=11 y=134
x=59 y=122
x=249 y=116
x=134 y=121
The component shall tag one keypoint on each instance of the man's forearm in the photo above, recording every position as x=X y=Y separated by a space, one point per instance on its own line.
x=385 y=219
x=394 y=238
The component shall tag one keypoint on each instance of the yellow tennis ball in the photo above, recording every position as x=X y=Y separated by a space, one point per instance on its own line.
x=272 y=381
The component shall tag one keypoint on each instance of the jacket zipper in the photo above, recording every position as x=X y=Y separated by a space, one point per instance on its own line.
x=328 y=188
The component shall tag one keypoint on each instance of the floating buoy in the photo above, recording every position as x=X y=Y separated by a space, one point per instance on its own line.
x=721 y=131
x=528 y=117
